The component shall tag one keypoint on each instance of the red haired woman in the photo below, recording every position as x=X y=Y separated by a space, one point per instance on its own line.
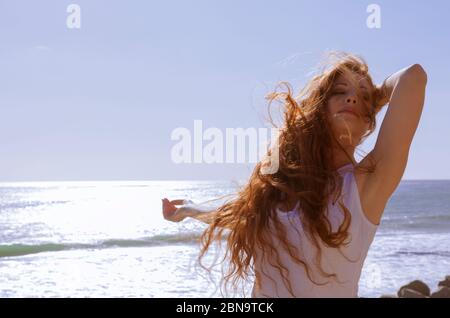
x=305 y=230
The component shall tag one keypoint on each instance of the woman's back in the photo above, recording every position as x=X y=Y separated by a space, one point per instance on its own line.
x=346 y=262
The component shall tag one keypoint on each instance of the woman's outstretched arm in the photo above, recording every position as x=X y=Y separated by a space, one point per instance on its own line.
x=186 y=209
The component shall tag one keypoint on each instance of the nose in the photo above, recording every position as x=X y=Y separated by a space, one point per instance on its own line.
x=351 y=100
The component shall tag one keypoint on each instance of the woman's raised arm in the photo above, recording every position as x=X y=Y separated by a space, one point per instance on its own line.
x=405 y=93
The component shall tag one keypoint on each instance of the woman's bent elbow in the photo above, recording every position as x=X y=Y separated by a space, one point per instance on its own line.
x=418 y=73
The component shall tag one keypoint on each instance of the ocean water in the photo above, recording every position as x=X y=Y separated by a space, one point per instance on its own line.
x=108 y=239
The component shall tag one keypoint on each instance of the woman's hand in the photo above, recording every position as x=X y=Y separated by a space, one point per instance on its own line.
x=171 y=212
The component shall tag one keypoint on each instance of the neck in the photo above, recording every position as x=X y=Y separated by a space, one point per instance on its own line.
x=341 y=159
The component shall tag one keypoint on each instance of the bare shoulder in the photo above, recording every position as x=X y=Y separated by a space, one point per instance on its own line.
x=373 y=202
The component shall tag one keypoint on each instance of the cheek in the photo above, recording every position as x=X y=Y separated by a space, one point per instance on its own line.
x=332 y=105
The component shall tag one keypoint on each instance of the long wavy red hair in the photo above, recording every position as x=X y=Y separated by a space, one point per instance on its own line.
x=306 y=175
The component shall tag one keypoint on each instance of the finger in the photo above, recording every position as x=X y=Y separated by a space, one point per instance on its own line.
x=177 y=202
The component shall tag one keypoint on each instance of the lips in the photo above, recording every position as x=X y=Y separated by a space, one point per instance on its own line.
x=349 y=111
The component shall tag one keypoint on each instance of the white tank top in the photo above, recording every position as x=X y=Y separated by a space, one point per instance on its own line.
x=347 y=264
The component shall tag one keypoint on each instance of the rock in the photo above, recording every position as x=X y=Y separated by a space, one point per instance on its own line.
x=388 y=296
x=417 y=286
x=445 y=282
x=410 y=293
x=443 y=292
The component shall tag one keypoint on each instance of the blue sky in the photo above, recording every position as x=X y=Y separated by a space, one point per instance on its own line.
x=100 y=102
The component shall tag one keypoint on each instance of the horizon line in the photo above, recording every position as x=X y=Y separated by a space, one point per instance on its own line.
x=2 y=183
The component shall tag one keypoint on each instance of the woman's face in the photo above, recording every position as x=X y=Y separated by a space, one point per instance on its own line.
x=348 y=106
